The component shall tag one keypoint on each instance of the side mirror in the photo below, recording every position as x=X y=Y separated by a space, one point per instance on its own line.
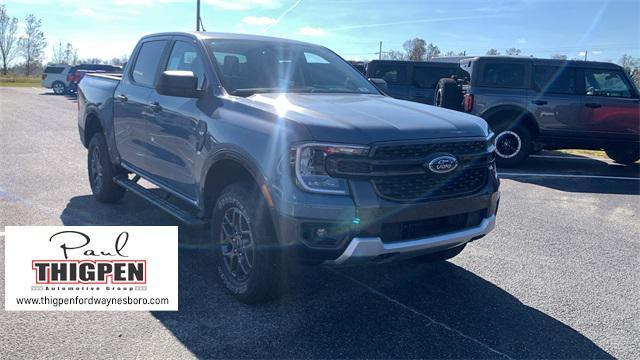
x=179 y=83
x=380 y=84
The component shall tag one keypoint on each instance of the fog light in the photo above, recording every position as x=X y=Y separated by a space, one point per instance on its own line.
x=325 y=235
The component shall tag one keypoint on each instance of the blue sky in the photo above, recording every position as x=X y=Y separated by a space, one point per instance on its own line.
x=353 y=28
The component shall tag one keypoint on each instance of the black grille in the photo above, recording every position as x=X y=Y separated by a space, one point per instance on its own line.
x=393 y=232
x=412 y=151
x=430 y=185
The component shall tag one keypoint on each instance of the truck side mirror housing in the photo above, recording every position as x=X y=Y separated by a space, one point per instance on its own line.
x=179 y=83
x=380 y=84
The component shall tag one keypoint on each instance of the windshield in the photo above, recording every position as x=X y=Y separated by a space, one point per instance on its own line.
x=249 y=67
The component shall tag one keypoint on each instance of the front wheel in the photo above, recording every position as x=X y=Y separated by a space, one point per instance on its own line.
x=248 y=258
x=625 y=156
x=513 y=145
x=102 y=171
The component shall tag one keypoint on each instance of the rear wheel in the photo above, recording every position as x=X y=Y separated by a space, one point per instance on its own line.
x=441 y=255
x=248 y=258
x=513 y=145
x=102 y=171
x=621 y=155
x=59 y=88
x=448 y=95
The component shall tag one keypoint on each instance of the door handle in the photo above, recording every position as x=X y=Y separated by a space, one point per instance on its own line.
x=155 y=106
x=539 y=102
x=122 y=97
x=593 y=105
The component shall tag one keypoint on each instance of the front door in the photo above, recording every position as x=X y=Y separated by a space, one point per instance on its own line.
x=611 y=103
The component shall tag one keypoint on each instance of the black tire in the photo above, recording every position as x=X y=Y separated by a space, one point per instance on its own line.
x=102 y=171
x=248 y=259
x=626 y=156
x=59 y=88
x=448 y=95
x=513 y=145
x=440 y=256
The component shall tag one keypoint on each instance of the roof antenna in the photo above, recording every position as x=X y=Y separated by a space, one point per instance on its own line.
x=198 y=18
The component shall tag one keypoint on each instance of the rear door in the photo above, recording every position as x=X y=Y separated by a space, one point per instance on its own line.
x=397 y=77
x=425 y=78
x=131 y=104
x=555 y=100
x=611 y=103
x=176 y=131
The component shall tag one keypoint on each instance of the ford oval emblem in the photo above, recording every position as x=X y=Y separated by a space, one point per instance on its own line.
x=442 y=164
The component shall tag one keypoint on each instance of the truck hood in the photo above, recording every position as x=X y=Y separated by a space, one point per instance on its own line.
x=363 y=118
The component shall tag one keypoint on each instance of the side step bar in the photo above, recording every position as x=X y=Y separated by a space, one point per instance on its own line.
x=179 y=213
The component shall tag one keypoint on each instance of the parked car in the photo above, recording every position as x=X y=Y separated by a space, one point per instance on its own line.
x=55 y=77
x=77 y=72
x=535 y=104
x=285 y=151
x=411 y=80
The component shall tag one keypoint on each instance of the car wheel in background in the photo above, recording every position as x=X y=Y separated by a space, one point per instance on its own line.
x=247 y=256
x=513 y=145
x=448 y=95
x=102 y=171
x=59 y=88
x=624 y=155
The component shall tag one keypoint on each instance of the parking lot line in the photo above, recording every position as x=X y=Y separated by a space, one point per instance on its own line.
x=572 y=158
x=570 y=176
x=409 y=308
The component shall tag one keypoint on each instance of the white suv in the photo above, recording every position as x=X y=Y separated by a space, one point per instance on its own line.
x=55 y=77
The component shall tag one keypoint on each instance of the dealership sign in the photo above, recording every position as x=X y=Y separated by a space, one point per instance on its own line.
x=91 y=268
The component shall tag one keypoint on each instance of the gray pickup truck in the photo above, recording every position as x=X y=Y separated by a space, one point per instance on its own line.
x=285 y=151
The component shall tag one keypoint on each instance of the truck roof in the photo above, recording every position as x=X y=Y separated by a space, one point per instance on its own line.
x=201 y=35
x=538 y=61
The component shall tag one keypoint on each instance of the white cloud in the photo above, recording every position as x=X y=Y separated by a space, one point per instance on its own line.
x=86 y=11
x=311 y=31
x=522 y=40
x=262 y=20
x=242 y=4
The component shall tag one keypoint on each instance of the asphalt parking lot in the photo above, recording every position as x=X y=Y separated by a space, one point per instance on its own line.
x=558 y=278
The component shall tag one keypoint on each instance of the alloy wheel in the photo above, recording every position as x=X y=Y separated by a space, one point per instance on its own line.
x=508 y=144
x=237 y=244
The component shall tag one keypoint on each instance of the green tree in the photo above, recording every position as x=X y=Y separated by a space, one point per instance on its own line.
x=32 y=44
x=8 y=30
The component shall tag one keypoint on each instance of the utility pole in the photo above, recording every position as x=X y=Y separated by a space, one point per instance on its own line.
x=380 y=53
x=198 y=16
x=585 y=55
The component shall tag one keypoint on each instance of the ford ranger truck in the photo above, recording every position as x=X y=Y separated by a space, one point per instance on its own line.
x=285 y=151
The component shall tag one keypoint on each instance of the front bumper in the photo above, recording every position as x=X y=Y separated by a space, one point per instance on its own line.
x=373 y=249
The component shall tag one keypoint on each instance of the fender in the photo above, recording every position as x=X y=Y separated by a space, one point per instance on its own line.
x=487 y=114
x=228 y=152
x=93 y=111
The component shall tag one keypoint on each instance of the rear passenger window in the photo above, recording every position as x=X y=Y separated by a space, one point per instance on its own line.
x=606 y=83
x=53 y=70
x=503 y=75
x=553 y=79
x=185 y=56
x=427 y=78
x=146 y=66
x=392 y=74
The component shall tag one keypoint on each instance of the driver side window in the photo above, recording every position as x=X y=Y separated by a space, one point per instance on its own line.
x=606 y=83
x=185 y=56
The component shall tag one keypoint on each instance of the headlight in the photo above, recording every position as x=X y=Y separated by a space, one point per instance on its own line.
x=309 y=162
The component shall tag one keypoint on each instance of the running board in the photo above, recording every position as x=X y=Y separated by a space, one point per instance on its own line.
x=172 y=209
